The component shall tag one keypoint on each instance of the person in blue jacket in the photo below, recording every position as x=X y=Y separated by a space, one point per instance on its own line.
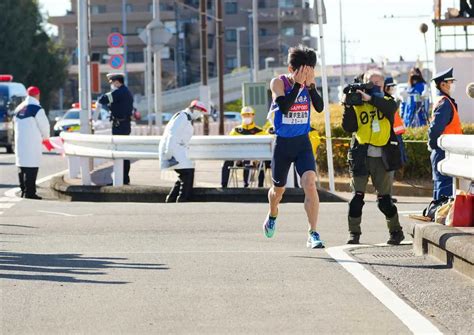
x=120 y=102
x=415 y=105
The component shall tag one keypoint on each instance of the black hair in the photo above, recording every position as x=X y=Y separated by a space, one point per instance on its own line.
x=120 y=80
x=301 y=55
x=415 y=72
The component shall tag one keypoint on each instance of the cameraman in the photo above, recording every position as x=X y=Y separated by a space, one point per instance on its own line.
x=368 y=114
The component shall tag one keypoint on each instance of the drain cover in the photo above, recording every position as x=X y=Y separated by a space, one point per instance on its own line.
x=394 y=254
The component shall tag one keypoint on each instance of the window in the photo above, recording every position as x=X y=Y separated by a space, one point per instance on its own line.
x=150 y=7
x=97 y=9
x=210 y=41
x=286 y=3
x=128 y=8
x=231 y=35
x=288 y=31
x=231 y=62
x=114 y=30
x=135 y=57
x=262 y=4
x=170 y=26
x=231 y=7
x=263 y=32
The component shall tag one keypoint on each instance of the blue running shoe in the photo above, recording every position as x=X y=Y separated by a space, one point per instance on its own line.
x=314 y=241
x=269 y=226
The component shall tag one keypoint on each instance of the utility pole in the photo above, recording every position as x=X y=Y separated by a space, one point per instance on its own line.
x=84 y=82
x=205 y=94
x=238 y=30
x=157 y=71
x=256 y=61
x=220 y=62
x=325 y=97
x=124 y=33
x=342 y=79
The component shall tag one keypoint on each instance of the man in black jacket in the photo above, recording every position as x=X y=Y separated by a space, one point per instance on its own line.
x=374 y=151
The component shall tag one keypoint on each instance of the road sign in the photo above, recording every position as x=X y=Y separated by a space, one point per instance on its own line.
x=159 y=35
x=115 y=51
x=116 y=61
x=115 y=40
x=95 y=77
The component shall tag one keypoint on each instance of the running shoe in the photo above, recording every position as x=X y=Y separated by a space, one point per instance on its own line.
x=269 y=226
x=314 y=241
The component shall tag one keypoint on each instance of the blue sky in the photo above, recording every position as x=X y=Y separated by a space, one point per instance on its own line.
x=369 y=34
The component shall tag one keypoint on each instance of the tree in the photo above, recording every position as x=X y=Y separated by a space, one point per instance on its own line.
x=28 y=53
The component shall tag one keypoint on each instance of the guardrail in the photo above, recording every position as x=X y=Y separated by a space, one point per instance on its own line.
x=459 y=160
x=118 y=148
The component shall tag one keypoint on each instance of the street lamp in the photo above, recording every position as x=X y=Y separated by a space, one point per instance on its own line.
x=268 y=60
x=238 y=30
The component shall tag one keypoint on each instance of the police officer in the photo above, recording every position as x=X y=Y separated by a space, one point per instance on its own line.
x=120 y=102
x=374 y=151
x=248 y=127
x=31 y=128
x=445 y=120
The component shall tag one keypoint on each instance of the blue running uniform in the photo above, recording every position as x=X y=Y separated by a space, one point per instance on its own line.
x=292 y=141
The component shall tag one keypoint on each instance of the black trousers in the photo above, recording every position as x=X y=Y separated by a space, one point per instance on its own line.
x=126 y=172
x=182 y=191
x=27 y=177
x=123 y=128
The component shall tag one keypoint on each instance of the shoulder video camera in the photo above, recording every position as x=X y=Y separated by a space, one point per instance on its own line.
x=352 y=97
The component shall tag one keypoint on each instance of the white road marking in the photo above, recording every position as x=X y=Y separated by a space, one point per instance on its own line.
x=416 y=322
x=6 y=205
x=7 y=199
x=64 y=214
x=410 y=212
x=11 y=193
x=1 y=213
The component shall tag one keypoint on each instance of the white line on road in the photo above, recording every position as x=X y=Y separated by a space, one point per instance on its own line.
x=416 y=322
x=1 y=213
x=6 y=205
x=64 y=214
x=11 y=193
x=410 y=212
x=7 y=199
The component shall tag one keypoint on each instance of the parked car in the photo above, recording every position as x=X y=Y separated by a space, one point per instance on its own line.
x=11 y=95
x=71 y=121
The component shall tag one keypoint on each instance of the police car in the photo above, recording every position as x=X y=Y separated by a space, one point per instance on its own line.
x=11 y=95
x=71 y=121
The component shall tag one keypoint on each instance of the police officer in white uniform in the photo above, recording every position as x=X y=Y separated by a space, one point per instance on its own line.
x=31 y=128
x=174 y=147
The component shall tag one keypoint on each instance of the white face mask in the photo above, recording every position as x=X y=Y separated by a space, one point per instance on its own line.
x=392 y=91
x=112 y=87
x=452 y=88
x=247 y=120
x=196 y=114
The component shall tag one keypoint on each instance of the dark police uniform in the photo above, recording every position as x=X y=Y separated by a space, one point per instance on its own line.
x=120 y=102
x=445 y=121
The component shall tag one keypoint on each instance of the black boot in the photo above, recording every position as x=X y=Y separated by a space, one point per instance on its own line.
x=186 y=176
x=396 y=237
x=353 y=238
x=174 y=192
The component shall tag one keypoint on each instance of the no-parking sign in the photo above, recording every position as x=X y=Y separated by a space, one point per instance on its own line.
x=116 y=61
x=115 y=40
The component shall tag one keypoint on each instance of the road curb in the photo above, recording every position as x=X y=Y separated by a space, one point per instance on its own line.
x=157 y=194
x=453 y=246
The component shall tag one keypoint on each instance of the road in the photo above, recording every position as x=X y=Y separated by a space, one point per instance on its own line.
x=206 y=268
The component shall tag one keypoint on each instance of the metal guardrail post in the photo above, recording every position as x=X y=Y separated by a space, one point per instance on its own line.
x=118 y=172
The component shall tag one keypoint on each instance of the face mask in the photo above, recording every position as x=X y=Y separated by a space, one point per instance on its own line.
x=196 y=114
x=452 y=88
x=112 y=87
x=392 y=91
x=247 y=120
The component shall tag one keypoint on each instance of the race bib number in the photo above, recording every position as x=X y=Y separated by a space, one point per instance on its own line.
x=296 y=117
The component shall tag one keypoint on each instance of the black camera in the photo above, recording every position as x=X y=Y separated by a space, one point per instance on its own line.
x=352 y=97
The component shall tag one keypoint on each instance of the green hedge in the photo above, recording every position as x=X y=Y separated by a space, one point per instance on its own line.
x=418 y=165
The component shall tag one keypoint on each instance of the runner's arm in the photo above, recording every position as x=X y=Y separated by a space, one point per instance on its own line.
x=316 y=99
x=283 y=101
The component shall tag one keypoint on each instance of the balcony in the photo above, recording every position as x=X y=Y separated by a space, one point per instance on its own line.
x=303 y=15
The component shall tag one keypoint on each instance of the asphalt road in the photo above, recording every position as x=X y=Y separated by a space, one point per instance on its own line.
x=201 y=268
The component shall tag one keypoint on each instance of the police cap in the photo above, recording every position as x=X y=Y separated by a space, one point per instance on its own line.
x=444 y=76
x=115 y=76
x=389 y=82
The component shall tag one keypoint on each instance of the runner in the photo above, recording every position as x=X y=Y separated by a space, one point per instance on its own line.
x=293 y=95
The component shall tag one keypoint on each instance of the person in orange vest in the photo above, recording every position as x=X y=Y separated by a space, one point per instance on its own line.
x=389 y=89
x=445 y=120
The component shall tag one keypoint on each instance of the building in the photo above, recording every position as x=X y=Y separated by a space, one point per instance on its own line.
x=455 y=48
x=282 y=24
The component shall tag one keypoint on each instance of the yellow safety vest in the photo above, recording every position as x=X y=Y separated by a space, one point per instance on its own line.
x=373 y=127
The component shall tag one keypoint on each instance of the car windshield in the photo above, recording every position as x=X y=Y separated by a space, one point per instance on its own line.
x=72 y=115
